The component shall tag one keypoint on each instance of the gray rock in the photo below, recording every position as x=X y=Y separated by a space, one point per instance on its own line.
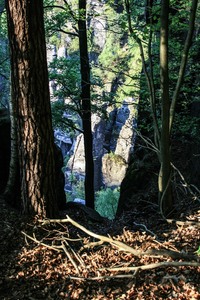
x=76 y=162
x=113 y=169
x=116 y=135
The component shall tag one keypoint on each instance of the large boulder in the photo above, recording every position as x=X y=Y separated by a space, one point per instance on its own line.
x=76 y=162
x=60 y=178
x=113 y=169
x=140 y=181
x=123 y=135
x=98 y=128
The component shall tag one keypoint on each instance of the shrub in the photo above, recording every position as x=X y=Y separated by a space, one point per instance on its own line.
x=106 y=202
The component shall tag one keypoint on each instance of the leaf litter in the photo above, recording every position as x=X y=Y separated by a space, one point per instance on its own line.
x=58 y=260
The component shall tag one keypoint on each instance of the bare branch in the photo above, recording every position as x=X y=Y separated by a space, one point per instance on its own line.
x=156 y=265
x=124 y=247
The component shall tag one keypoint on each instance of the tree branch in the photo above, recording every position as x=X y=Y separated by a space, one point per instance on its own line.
x=122 y=246
x=184 y=59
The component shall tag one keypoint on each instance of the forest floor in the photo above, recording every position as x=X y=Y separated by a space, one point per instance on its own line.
x=62 y=261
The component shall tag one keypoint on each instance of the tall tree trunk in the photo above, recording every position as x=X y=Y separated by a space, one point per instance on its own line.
x=162 y=137
x=12 y=190
x=86 y=105
x=31 y=98
x=165 y=195
x=184 y=59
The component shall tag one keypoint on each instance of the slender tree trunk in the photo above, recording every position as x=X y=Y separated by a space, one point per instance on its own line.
x=162 y=137
x=165 y=169
x=184 y=59
x=12 y=190
x=31 y=99
x=86 y=105
x=148 y=71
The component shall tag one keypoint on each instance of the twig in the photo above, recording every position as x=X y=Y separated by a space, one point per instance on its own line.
x=149 y=144
x=186 y=185
x=91 y=245
x=145 y=228
x=69 y=256
x=154 y=266
x=136 y=269
x=56 y=248
x=75 y=254
x=102 y=277
x=48 y=221
x=183 y=223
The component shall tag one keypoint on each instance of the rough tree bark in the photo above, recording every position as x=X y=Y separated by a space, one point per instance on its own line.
x=30 y=89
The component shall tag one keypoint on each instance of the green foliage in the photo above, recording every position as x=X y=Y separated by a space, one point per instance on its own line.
x=118 y=159
x=186 y=125
x=72 y=178
x=3 y=20
x=65 y=77
x=78 y=189
x=4 y=59
x=60 y=19
x=198 y=251
x=68 y=124
x=64 y=72
x=109 y=56
x=106 y=202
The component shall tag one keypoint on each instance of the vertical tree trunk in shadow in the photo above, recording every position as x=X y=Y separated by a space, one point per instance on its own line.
x=12 y=190
x=86 y=106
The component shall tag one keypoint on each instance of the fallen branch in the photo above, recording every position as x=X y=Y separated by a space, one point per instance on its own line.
x=75 y=254
x=102 y=277
x=70 y=258
x=155 y=265
x=183 y=223
x=123 y=247
x=136 y=270
x=92 y=245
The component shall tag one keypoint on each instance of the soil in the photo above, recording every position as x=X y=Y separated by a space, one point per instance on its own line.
x=60 y=261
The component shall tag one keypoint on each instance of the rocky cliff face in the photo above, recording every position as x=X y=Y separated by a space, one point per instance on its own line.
x=113 y=143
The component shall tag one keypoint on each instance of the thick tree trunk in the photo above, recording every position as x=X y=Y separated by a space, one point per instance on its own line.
x=30 y=90
x=86 y=106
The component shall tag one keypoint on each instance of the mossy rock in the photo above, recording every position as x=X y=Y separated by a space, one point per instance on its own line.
x=139 y=179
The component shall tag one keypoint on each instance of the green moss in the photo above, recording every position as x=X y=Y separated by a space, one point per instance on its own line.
x=117 y=159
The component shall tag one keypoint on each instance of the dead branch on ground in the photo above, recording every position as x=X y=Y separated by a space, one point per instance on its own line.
x=124 y=247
